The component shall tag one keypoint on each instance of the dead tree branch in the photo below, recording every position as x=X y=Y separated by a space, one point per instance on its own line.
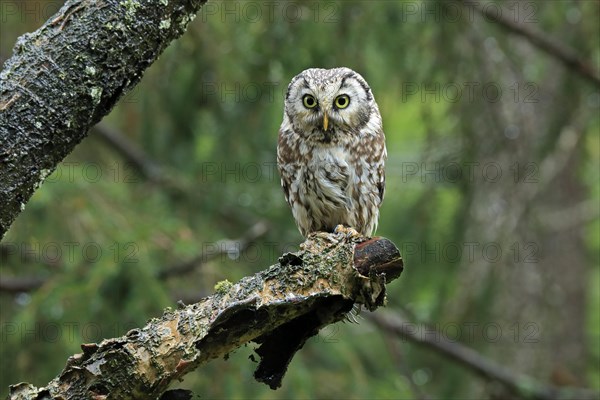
x=20 y=284
x=520 y=385
x=551 y=46
x=133 y=154
x=151 y=170
x=64 y=77
x=279 y=308
x=224 y=246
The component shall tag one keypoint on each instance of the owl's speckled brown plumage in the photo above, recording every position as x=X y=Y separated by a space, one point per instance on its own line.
x=331 y=151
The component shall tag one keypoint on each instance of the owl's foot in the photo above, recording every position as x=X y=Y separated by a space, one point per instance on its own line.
x=347 y=230
x=353 y=315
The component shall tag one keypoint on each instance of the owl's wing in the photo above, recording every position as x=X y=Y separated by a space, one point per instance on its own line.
x=381 y=170
x=381 y=182
x=287 y=163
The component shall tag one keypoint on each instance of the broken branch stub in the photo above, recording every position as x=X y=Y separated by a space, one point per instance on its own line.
x=280 y=308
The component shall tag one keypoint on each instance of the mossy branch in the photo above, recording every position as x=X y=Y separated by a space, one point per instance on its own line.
x=64 y=77
x=279 y=308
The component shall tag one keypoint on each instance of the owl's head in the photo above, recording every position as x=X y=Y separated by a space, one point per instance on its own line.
x=329 y=105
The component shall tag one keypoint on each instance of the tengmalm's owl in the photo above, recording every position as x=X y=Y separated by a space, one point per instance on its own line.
x=331 y=151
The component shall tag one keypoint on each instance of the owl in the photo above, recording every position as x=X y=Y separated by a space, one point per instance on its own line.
x=331 y=151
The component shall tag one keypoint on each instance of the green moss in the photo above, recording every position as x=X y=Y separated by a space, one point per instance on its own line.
x=223 y=287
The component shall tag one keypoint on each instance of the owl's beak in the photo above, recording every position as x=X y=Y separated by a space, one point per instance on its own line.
x=325 y=121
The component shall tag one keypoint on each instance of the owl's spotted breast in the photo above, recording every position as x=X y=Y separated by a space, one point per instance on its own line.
x=326 y=191
x=331 y=159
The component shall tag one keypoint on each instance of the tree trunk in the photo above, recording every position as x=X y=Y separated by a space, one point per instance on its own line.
x=64 y=77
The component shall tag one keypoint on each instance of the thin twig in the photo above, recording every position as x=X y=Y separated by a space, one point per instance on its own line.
x=520 y=385
x=149 y=169
x=20 y=284
x=551 y=46
x=225 y=246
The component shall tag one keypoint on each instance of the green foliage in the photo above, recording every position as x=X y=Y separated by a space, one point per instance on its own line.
x=208 y=112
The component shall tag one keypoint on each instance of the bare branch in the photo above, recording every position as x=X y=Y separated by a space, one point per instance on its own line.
x=20 y=284
x=520 y=385
x=224 y=246
x=568 y=218
x=551 y=46
x=137 y=158
x=149 y=169
x=280 y=308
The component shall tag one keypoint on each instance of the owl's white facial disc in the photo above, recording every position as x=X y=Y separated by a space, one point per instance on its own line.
x=338 y=99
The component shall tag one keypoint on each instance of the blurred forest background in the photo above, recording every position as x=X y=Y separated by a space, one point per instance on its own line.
x=493 y=196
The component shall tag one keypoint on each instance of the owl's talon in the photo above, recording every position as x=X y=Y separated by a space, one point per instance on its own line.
x=354 y=314
x=348 y=231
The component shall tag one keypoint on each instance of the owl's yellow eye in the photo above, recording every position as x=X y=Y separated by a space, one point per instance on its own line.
x=309 y=101
x=342 y=101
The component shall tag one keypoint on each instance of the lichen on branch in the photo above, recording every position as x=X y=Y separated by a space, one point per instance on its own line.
x=279 y=308
x=64 y=77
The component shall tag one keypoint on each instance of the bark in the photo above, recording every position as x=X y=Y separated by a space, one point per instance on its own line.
x=280 y=308
x=64 y=77
x=520 y=385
